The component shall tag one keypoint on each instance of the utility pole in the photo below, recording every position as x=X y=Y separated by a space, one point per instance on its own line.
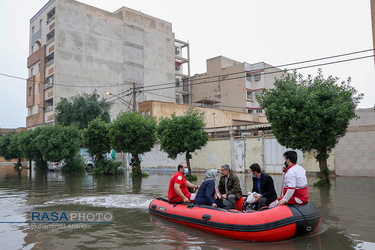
x=134 y=101
x=214 y=123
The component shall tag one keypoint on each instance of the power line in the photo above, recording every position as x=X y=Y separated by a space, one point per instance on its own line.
x=121 y=94
x=203 y=78
x=136 y=92
x=273 y=72
x=272 y=67
x=57 y=84
x=193 y=102
x=266 y=73
x=125 y=93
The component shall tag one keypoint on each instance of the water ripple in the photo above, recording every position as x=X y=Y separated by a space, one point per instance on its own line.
x=107 y=201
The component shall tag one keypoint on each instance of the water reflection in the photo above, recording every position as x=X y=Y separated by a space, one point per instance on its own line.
x=346 y=210
x=137 y=185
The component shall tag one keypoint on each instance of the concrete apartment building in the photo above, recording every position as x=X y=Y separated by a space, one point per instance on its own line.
x=76 y=48
x=232 y=85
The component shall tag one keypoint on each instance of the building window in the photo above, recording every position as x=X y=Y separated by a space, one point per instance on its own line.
x=36 y=90
x=31 y=72
x=257 y=77
x=258 y=92
x=51 y=36
x=49 y=107
x=249 y=111
x=40 y=23
x=185 y=85
x=30 y=110
x=248 y=77
x=32 y=30
x=177 y=98
x=143 y=114
x=51 y=15
x=249 y=95
x=177 y=82
x=148 y=113
x=50 y=59
x=30 y=90
x=259 y=111
x=49 y=82
x=37 y=45
x=177 y=50
x=185 y=99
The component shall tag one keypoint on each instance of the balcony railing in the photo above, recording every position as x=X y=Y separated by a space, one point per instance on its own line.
x=50 y=19
x=49 y=108
x=48 y=85
x=49 y=62
x=50 y=40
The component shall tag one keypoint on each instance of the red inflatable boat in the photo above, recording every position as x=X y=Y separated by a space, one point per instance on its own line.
x=274 y=224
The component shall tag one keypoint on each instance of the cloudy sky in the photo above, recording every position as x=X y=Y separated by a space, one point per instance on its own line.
x=276 y=32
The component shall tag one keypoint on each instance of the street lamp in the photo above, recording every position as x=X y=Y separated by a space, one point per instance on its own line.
x=120 y=99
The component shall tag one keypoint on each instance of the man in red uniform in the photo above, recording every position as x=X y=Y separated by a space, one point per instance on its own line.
x=178 y=186
x=295 y=184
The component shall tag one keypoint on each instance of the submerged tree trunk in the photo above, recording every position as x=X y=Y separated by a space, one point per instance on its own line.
x=19 y=162
x=188 y=157
x=138 y=164
x=322 y=157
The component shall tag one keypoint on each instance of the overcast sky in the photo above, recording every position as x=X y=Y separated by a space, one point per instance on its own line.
x=276 y=32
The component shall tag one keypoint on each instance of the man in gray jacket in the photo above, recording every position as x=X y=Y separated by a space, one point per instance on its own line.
x=229 y=186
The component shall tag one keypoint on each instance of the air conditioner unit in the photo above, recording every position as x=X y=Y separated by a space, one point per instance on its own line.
x=178 y=67
x=257 y=77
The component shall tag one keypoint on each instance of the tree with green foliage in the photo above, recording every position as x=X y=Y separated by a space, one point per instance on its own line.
x=27 y=145
x=311 y=113
x=58 y=143
x=96 y=138
x=132 y=133
x=79 y=110
x=182 y=134
x=9 y=148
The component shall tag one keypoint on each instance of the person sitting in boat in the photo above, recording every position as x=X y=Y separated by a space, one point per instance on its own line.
x=178 y=186
x=229 y=186
x=208 y=194
x=295 y=183
x=263 y=185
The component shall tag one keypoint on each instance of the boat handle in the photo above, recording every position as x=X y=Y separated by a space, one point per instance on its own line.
x=206 y=217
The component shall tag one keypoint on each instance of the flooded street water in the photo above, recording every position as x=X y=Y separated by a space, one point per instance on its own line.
x=347 y=211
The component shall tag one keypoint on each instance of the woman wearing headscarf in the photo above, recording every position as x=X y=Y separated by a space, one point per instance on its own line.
x=208 y=193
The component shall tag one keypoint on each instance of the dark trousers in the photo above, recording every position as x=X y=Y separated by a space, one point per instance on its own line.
x=262 y=202
x=230 y=203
